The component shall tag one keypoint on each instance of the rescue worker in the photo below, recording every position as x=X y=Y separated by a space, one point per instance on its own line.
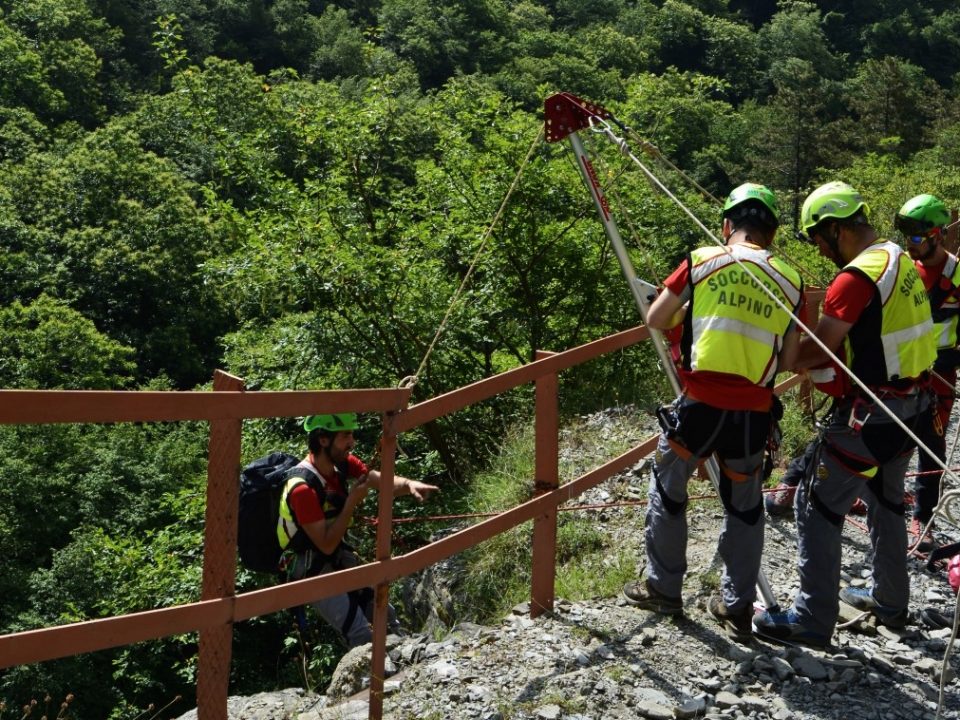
x=735 y=340
x=922 y=221
x=316 y=510
x=877 y=309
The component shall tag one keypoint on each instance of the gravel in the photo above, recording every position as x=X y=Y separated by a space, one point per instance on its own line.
x=600 y=658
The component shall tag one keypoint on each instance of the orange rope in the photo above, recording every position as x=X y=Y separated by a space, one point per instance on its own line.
x=597 y=506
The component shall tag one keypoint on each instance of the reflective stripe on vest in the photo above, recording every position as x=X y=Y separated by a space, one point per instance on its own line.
x=947 y=315
x=286 y=525
x=736 y=327
x=906 y=330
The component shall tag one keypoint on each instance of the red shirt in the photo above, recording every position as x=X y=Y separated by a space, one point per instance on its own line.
x=304 y=501
x=847 y=296
x=932 y=274
x=722 y=390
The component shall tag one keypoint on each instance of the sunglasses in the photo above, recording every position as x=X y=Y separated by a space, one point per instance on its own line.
x=803 y=237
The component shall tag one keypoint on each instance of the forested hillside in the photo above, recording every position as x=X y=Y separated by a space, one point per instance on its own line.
x=293 y=191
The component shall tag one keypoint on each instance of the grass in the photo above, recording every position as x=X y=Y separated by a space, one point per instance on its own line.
x=497 y=573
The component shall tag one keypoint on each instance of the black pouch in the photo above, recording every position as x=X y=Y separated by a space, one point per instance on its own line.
x=668 y=420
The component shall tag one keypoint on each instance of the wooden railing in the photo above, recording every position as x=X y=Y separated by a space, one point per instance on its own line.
x=225 y=408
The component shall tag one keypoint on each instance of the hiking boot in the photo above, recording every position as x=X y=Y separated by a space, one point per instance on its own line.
x=927 y=543
x=786 y=627
x=862 y=599
x=643 y=595
x=859 y=507
x=780 y=500
x=739 y=625
x=934 y=619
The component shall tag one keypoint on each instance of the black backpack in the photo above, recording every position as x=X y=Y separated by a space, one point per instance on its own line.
x=261 y=485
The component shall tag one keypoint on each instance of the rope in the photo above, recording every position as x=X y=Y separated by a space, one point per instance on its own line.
x=611 y=188
x=603 y=128
x=411 y=380
x=927 y=472
x=654 y=152
x=817 y=280
x=371 y=520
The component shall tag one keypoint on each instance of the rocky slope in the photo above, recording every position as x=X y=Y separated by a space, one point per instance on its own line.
x=600 y=658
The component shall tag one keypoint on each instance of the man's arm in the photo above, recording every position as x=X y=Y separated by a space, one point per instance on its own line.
x=326 y=534
x=404 y=486
x=831 y=332
x=788 y=353
x=666 y=312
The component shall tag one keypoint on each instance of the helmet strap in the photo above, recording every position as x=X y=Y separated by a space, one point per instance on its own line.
x=832 y=240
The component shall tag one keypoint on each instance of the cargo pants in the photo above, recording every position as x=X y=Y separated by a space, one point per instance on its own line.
x=739 y=438
x=868 y=460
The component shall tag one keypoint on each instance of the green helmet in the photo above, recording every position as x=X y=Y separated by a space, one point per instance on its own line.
x=758 y=194
x=921 y=214
x=835 y=200
x=334 y=422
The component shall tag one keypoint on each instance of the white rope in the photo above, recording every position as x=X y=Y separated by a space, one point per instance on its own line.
x=625 y=150
x=603 y=128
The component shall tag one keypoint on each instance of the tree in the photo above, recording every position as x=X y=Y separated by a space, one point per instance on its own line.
x=942 y=36
x=894 y=101
x=444 y=38
x=789 y=138
x=24 y=82
x=797 y=31
x=114 y=232
x=68 y=39
x=49 y=345
x=679 y=113
x=341 y=50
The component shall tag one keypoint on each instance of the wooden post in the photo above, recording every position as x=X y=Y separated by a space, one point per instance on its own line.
x=219 y=554
x=547 y=427
x=388 y=452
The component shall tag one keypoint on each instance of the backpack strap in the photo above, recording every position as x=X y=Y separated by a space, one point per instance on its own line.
x=318 y=484
x=307 y=476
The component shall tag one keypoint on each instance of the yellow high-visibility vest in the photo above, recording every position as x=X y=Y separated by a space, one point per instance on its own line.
x=287 y=527
x=736 y=327
x=947 y=314
x=905 y=347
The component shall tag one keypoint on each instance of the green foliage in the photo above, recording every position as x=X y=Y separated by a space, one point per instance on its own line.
x=893 y=99
x=24 y=82
x=114 y=233
x=497 y=573
x=295 y=191
x=121 y=512
x=440 y=38
x=50 y=345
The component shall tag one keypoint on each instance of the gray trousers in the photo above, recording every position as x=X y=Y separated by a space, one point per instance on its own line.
x=868 y=462
x=350 y=613
x=738 y=438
